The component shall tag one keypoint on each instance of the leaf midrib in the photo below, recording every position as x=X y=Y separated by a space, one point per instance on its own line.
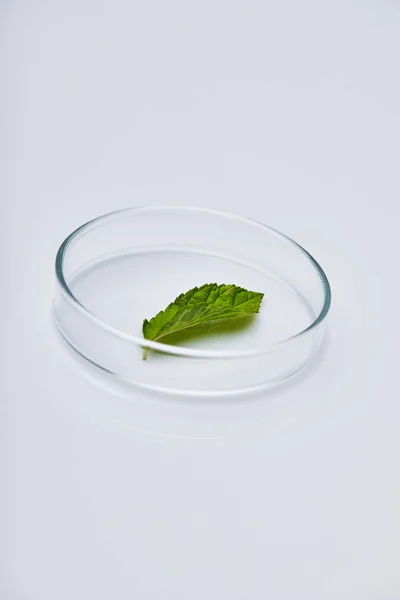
x=186 y=327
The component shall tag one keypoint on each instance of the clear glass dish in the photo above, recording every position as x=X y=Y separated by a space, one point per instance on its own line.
x=120 y=268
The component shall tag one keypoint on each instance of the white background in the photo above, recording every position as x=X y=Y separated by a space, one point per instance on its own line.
x=286 y=112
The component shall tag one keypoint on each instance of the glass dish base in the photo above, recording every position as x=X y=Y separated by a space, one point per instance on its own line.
x=102 y=311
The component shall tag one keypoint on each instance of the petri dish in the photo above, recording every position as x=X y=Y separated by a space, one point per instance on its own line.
x=123 y=267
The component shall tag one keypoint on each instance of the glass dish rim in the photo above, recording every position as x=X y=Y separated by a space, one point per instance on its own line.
x=167 y=348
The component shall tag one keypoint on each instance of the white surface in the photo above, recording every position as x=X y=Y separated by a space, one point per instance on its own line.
x=286 y=112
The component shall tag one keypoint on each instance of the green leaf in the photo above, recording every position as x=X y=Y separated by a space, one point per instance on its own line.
x=207 y=304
